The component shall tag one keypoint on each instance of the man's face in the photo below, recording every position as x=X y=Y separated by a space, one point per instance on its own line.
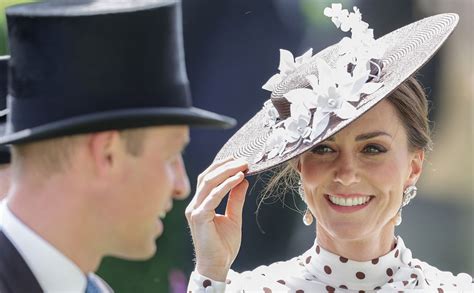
x=145 y=188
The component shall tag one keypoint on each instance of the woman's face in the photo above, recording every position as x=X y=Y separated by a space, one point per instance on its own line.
x=354 y=181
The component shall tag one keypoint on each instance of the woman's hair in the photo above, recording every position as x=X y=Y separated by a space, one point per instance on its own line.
x=411 y=105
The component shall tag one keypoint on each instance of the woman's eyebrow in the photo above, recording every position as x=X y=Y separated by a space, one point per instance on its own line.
x=364 y=136
x=370 y=135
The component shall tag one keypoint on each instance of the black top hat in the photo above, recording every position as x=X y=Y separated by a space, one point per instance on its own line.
x=80 y=66
x=4 y=150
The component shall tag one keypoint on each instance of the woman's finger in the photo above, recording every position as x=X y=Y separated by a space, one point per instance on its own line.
x=213 y=166
x=199 y=210
x=217 y=194
x=216 y=177
x=199 y=194
x=235 y=202
x=211 y=178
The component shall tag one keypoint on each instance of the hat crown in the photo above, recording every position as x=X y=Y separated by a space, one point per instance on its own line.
x=3 y=82
x=82 y=66
x=88 y=59
x=3 y=91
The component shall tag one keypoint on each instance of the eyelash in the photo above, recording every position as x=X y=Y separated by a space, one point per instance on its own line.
x=325 y=149
x=379 y=149
x=319 y=149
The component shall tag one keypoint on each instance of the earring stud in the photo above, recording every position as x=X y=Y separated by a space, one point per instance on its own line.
x=409 y=194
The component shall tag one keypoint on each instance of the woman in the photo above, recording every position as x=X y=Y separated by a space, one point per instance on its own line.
x=351 y=125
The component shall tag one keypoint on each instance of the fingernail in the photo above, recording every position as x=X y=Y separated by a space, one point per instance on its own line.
x=238 y=174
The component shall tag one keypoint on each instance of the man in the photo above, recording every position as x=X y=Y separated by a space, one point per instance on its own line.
x=99 y=115
x=4 y=151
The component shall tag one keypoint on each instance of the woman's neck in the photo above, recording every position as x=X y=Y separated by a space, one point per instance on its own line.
x=360 y=249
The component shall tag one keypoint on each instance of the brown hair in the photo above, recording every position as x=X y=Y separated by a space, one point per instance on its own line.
x=411 y=103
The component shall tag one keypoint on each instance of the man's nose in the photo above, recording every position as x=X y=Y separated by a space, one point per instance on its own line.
x=181 y=185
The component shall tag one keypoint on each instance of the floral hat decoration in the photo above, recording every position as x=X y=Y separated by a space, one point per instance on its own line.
x=315 y=96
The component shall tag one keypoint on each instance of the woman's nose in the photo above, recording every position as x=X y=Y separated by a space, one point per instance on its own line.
x=346 y=170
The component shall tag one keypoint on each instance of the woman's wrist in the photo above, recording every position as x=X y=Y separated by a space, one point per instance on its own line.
x=215 y=273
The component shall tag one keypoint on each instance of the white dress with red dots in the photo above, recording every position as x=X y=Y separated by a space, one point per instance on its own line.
x=318 y=270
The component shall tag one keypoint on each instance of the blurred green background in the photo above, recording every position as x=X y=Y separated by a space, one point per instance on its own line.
x=3 y=26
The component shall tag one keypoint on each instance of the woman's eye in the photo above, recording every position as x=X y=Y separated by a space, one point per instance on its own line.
x=374 y=149
x=321 y=149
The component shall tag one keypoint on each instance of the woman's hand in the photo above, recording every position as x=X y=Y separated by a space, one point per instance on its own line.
x=217 y=237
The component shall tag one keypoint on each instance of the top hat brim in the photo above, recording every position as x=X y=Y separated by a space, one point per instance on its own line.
x=408 y=49
x=119 y=120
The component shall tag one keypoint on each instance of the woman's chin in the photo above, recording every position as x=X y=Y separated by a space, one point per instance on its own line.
x=347 y=230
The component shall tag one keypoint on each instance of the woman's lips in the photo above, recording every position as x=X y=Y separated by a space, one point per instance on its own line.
x=348 y=203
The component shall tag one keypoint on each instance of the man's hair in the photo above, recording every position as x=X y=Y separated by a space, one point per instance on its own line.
x=134 y=140
x=54 y=155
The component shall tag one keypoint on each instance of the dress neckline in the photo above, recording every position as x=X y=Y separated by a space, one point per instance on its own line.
x=340 y=272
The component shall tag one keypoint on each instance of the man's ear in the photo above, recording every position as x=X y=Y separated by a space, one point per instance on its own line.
x=104 y=149
x=416 y=167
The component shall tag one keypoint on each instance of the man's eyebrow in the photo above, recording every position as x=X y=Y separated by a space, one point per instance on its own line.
x=370 y=135
x=364 y=136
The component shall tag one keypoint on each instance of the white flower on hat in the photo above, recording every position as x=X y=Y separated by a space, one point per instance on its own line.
x=320 y=122
x=333 y=92
x=276 y=143
x=361 y=43
x=297 y=128
x=271 y=114
x=337 y=15
x=287 y=65
x=290 y=131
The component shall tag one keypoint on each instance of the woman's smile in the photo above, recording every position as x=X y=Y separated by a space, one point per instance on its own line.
x=348 y=203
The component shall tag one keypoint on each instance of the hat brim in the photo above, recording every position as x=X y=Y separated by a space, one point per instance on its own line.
x=118 y=120
x=408 y=49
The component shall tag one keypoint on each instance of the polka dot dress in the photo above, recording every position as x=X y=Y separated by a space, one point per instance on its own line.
x=318 y=270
